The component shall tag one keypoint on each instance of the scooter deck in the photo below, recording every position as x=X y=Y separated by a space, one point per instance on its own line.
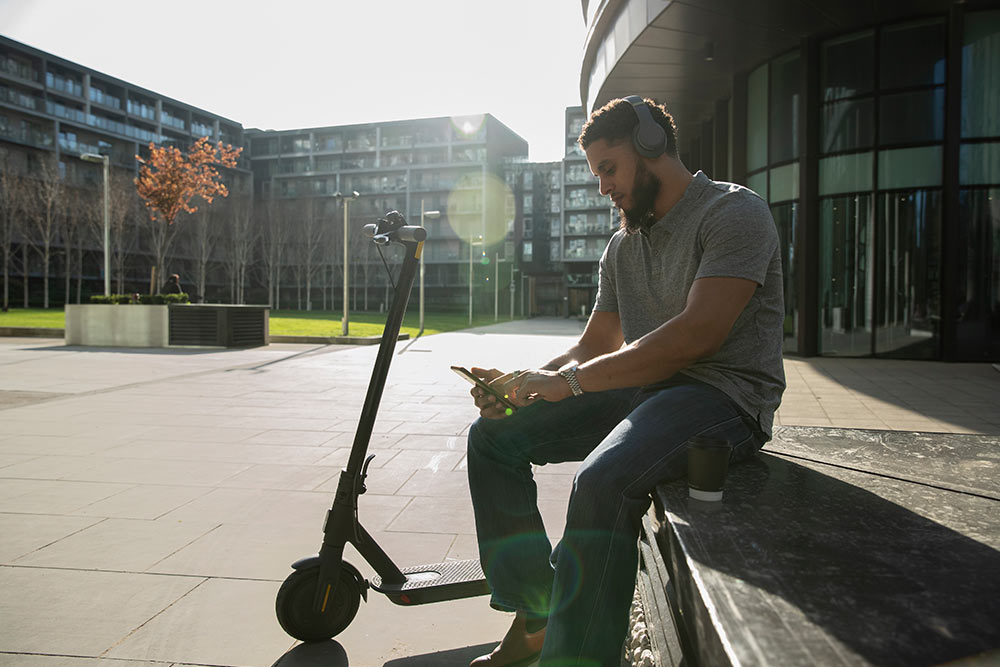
x=450 y=580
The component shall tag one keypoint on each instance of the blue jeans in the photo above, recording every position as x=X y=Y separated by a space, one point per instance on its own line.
x=629 y=440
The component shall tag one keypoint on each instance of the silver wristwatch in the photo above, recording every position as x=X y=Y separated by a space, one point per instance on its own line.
x=574 y=384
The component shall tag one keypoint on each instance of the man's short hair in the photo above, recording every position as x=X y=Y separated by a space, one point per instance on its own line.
x=616 y=120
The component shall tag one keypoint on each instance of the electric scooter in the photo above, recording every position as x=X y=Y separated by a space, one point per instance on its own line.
x=320 y=598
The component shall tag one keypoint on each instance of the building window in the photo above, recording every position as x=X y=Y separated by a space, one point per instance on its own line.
x=785 y=78
x=907 y=292
x=978 y=268
x=845 y=258
x=757 y=119
x=526 y=251
x=785 y=218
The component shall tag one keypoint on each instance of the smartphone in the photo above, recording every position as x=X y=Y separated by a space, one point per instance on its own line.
x=511 y=408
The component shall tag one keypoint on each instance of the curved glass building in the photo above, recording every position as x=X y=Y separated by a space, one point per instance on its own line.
x=871 y=128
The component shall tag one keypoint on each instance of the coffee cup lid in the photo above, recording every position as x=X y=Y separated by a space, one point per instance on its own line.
x=698 y=494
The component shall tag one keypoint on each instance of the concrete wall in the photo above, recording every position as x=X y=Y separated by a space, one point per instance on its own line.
x=117 y=325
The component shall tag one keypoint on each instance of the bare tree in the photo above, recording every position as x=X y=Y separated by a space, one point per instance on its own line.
x=45 y=213
x=76 y=223
x=12 y=204
x=308 y=247
x=126 y=216
x=272 y=234
x=240 y=241
x=203 y=236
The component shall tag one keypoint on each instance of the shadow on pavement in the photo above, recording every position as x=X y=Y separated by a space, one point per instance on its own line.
x=332 y=654
x=456 y=657
x=167 y=351
x=314 y=654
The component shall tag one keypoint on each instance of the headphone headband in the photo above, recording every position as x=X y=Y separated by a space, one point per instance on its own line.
x=649 y=138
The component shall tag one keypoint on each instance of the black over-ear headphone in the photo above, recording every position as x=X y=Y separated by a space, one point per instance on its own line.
x=648 y=137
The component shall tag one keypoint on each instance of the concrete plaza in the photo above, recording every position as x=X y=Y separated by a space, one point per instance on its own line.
x=151 y=501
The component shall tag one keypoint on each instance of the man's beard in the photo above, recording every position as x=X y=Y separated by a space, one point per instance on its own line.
x=645 y=187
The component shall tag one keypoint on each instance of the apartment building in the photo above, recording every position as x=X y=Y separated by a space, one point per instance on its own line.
x=449 y=165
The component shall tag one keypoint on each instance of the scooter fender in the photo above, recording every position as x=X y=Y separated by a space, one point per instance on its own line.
x=313 y=561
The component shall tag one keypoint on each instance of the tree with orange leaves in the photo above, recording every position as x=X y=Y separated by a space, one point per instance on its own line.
x=169 y=180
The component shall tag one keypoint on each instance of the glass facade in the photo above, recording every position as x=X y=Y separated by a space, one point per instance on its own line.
x=877 y=149
x=881 y=210
x=773 y=111
x=845 y=276
x=977 y=288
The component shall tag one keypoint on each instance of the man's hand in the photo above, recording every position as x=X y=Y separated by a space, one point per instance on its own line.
x=530 y=386
x=486 y=402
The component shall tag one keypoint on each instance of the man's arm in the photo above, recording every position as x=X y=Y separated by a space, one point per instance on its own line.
x=713 y=305
x=602 y=335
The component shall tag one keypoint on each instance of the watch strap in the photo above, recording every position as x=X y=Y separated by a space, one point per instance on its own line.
x=569 y=375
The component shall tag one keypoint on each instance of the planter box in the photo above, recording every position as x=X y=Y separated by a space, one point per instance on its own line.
x=108 y=325
x=218 y=325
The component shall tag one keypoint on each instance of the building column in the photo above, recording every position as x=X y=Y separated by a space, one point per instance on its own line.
x=807 y=220
x=738 y=138
x=721 y=141
x=951 y=217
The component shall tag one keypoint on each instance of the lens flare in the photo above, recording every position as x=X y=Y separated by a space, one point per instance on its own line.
x=477 y=206
x=467 y=128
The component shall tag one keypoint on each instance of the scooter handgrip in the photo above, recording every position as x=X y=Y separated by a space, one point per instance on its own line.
x=411 y=234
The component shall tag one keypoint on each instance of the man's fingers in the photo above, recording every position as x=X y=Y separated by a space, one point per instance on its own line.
x=485 y=374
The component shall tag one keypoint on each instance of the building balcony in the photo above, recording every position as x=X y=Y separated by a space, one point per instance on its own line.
x=98 y=96
x=65 y=112
x=589 y=230
x=19 y=70
x=173 y=122
x=588 y=203
x=17 y=98
x=25 y=135
x=63 y=84
x=581 y=255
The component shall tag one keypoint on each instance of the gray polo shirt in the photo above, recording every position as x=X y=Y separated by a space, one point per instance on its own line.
x=716 y=229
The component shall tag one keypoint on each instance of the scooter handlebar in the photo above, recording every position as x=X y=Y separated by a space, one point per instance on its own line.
x=411 y=234
x=394 y=228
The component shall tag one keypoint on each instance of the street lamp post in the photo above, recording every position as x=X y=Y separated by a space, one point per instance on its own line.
x=472 y=243
x=104 y=160
x=432 y=215
x=347 y=199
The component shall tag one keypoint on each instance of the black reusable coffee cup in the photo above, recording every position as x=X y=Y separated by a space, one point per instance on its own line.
x=708 y=461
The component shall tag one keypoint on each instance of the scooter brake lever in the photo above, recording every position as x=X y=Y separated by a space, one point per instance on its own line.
x=364 y=473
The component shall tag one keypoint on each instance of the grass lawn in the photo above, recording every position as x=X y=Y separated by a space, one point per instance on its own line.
x=33 y=317
x=290 y=322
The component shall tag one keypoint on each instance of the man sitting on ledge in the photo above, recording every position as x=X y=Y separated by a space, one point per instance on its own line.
x=684 y=340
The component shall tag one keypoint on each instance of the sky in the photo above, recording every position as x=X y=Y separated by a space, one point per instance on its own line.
x=293 y=63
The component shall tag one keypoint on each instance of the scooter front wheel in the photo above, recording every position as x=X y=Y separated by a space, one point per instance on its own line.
x=294 y=605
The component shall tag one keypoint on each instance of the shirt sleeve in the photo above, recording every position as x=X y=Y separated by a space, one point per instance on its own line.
x=738 y=238
x=607 y=295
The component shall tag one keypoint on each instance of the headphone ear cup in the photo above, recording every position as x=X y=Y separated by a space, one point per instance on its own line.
x=648 y=137
x=642 y=148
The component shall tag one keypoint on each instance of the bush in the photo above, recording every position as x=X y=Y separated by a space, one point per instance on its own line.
x=144 y=299
x=162 y=299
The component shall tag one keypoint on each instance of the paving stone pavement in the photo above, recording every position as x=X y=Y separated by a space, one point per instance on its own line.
x=151 y=501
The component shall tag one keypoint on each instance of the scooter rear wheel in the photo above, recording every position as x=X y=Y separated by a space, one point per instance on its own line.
x=294 y=605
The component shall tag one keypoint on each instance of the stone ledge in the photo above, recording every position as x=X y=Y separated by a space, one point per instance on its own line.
x=32 y=332
x=334 y=340
x=52 y=332
x=852 y=559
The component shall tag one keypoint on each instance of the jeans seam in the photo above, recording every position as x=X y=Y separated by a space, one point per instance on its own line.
x=600 y=586
x=622 y=501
